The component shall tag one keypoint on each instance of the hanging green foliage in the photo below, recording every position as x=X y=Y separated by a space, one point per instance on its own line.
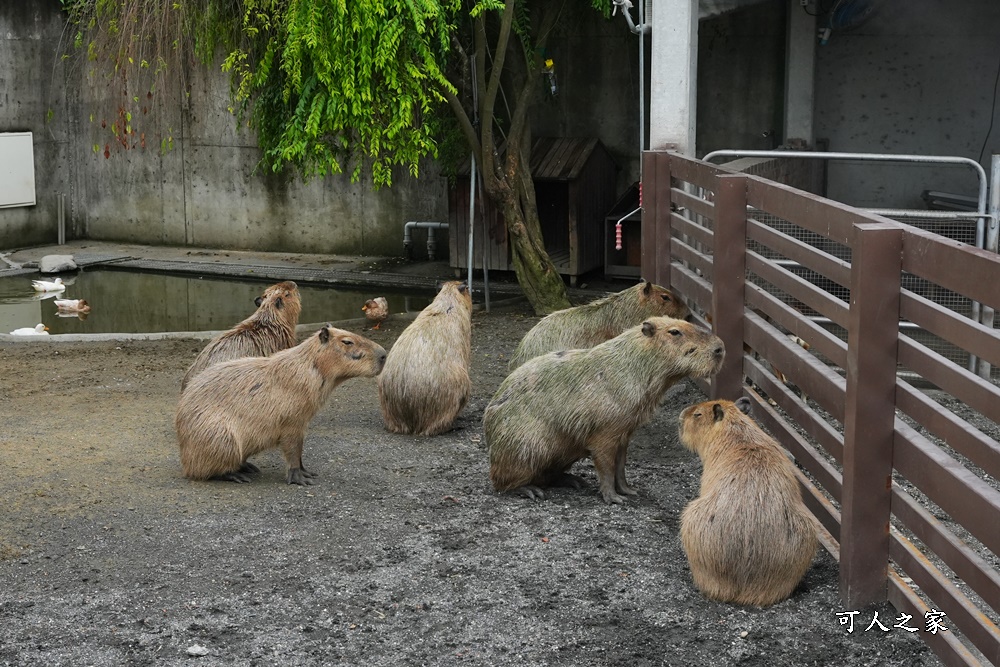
x=330 y=83
x=359 y=86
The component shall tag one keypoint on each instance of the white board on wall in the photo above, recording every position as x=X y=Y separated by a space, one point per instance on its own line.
x=17 y=169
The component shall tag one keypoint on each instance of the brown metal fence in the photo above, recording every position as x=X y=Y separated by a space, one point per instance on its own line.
x=897 y=445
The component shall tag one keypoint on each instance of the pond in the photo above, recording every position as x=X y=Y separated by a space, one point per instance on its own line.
x=142 y=302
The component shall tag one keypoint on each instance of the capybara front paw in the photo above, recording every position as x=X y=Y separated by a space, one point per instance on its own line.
x=296 y=476
x=531 y=492
x=622 y=487
x=307 y=474
x=612 y=497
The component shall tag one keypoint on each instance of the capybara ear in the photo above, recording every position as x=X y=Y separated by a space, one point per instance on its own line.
x=743 y=404
x=648 y=329
x=258 y=301
x=648 y=288
x=718 y=412
x=279 y=303
x=324 y=334
x=463 y=288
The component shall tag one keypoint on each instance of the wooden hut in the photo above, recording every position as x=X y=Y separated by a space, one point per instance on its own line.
x=574 y=187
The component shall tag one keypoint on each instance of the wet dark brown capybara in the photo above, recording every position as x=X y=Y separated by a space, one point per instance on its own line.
x=269 y=329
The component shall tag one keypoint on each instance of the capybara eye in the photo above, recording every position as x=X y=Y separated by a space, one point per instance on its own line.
x=675 y=332
x=665 y=297
x=347 y=341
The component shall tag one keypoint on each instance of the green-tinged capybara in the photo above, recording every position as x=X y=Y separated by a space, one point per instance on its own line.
x=239 y=408
x=269 y=329
x=748 y=536
x=563 y=406
x=593 y=323
x=426 y=383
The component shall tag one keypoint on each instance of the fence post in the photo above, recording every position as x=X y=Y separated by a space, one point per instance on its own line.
x=649 y=203
x=656 y=217
x=872 y=338
x=729 y=262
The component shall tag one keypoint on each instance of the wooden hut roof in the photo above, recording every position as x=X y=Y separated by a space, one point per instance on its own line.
x=560 y=158
x=557 y=158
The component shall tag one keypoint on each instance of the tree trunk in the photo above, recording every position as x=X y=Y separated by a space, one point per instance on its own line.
x=541 y=283
x=507 y=179
x=532 y=263
x=514 y=194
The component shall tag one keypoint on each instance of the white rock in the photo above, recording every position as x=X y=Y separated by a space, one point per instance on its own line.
x=197 y=649
x=56 y=264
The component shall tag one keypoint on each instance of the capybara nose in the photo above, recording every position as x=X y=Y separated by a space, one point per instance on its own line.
x=719 y=352
x=689 y=317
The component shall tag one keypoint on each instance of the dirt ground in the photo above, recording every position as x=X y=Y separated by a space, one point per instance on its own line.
x=399 y=554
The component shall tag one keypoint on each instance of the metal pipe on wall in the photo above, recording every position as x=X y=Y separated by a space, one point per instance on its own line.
x=430 y=226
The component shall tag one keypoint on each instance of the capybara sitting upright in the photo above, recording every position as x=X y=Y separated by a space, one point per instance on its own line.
x=426 y=383
x=563 y=406
x=593 y=323
x=748 y=536
x=269 y=329
x=236 y=409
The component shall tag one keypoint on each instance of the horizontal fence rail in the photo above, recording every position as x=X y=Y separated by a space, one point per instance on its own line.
x=897 y=444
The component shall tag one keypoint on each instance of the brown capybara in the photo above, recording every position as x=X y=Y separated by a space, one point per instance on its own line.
x=239 y=408
x=593 y=323
x=563 y=406
x=426 y=383
x=748 y=536
x=269 y=329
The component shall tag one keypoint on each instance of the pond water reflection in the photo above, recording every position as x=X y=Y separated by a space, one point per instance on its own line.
x=141 y=302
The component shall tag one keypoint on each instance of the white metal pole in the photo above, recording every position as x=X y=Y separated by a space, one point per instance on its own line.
x=472 y=215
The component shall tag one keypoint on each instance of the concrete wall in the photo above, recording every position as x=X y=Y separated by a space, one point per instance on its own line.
x=597 y=76
x=741 y=65
x=204 y=190
x=918 y=77
x=33 y=99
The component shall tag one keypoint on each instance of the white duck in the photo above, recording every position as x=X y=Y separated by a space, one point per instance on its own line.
x=37 y=330
x=73 y=305
x=48 y=285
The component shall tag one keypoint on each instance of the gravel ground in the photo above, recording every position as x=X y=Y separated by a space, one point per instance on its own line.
x=400 y=553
